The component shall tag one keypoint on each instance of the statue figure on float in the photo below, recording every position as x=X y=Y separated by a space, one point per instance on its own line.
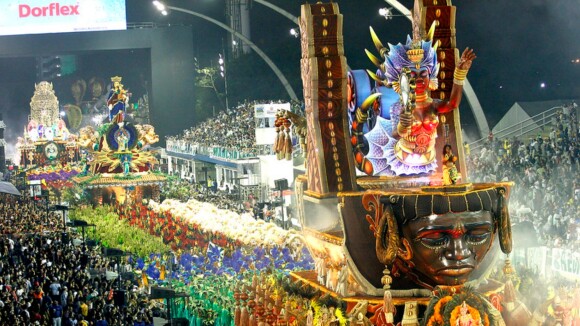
x=118 y=99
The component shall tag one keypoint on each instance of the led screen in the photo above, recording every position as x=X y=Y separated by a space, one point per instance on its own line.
x=19 y=17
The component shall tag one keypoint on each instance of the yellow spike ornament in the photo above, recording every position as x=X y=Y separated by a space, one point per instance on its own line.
x=374 y=59
x=378 y=44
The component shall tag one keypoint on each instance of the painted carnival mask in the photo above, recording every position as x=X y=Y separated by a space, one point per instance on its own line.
x=447 y=248
x=439 y=236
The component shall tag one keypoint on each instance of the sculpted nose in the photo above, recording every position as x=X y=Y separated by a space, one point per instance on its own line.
x=457 y=250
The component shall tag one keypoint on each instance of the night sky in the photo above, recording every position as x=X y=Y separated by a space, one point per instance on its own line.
x=520 y=44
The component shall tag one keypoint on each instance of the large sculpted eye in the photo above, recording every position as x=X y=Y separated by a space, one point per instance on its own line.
x=424 y=73
x=478 y=236
x=433 y=240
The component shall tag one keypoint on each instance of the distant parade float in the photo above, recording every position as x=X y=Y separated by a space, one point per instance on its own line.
x=46 y=140
x=393 y=225
x=117 y=166
x=47 y=152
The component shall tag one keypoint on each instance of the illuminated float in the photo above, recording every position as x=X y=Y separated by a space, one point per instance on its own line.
x=388 y=214
x=47 y=152
x=46 y=140
x=118 y=165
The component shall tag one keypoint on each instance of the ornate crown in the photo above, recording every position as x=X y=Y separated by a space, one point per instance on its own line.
x=415 y=55
x=116 y=79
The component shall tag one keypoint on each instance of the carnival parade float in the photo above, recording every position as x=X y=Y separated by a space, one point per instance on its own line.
x=393 y=225
x=46 y=140
x=47 y=152
x=117 y=166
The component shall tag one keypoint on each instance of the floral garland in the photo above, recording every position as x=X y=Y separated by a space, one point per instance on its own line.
x=444 y=309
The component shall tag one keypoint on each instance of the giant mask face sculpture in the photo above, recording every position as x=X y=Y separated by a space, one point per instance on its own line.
x=440 y=238
x=447 y=248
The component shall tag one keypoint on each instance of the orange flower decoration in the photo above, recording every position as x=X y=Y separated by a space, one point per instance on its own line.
x=437 y=318
x=455 y=314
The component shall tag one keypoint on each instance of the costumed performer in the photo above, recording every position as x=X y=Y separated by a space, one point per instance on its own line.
x=450 y=174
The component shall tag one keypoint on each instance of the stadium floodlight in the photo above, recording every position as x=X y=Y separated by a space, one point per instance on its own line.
x=386 y=12
x=223 y=73
x=160 y=6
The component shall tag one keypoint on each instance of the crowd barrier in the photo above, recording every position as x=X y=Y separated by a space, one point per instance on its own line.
x=211 y=151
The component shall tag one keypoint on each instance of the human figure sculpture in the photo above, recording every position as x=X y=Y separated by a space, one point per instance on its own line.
x=450 y=174
x=342 y=283
x=321 y=270
x=147 y=135
x=465 y=318
x=31 y=130
x=117 y=99
x=87 y=137
x=417 y=128
x=448 y=249
x=126 y=165
x=123 y=140
x=62 y=131
x=410 y=126
x=330 y=279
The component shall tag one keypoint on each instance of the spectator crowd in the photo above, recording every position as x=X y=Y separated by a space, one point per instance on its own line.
x=46 y=280
x=231 y=130
x=545 y=171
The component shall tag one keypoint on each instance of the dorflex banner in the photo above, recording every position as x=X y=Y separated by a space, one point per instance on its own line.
x=61 y=16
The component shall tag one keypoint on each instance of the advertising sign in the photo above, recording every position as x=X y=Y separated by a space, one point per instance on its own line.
x=269 y=110
x=19 y=17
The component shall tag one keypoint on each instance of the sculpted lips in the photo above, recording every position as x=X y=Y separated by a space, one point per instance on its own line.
x=455 y=270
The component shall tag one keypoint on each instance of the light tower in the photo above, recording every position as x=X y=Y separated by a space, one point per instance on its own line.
x=2 y=146
x=238 y=15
